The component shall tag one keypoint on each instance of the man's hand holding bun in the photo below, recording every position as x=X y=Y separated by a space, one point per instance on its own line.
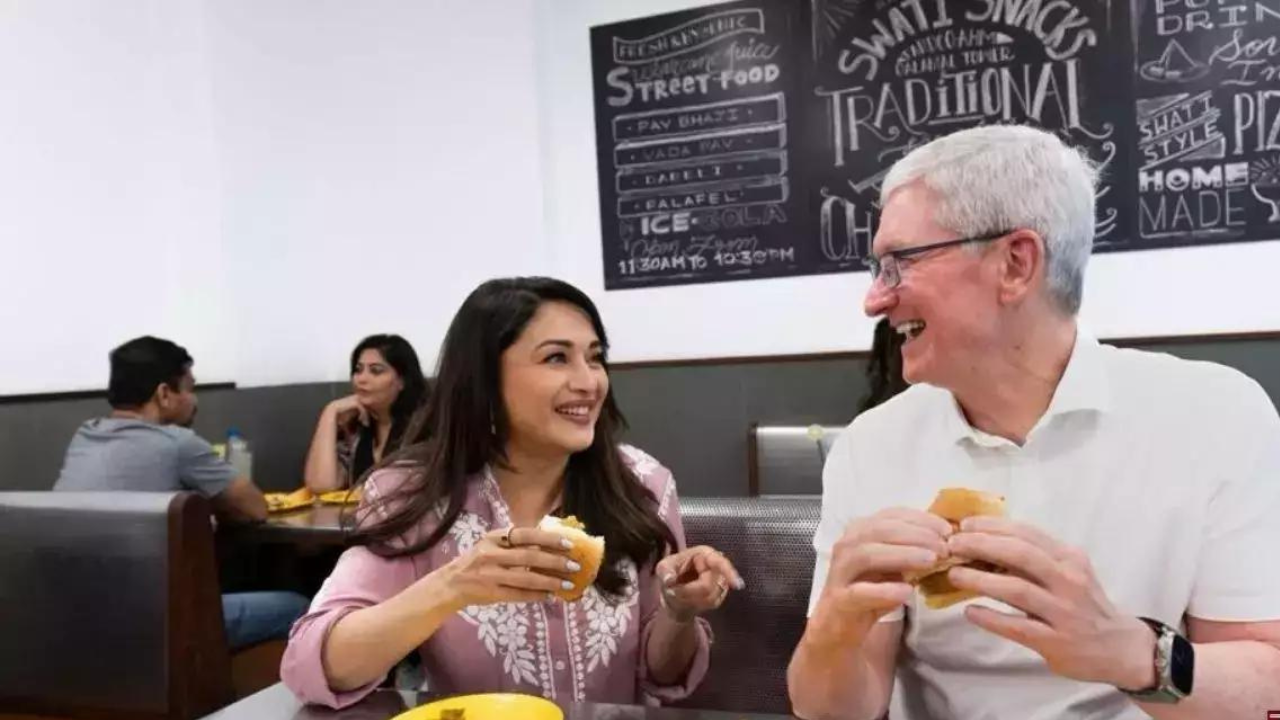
x=865 y=581
x=954 y=505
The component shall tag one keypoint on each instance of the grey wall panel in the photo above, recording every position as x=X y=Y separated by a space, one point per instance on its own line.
x=1258 y=358
x=693 y=418
x=671 y=406
x=278 y=422
x=825 y=392
x=33 y=439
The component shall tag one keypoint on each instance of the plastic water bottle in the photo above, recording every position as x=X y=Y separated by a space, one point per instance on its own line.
x=239 y=455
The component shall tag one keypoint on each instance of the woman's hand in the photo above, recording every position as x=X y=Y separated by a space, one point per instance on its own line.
x=695 y=580
x=348 y=410
x=511 y=565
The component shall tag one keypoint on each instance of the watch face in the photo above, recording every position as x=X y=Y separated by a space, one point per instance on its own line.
x=1182 y=664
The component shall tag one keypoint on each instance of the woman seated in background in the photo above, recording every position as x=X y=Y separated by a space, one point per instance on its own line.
x=448 y=560
x=356 y=431
x=884 y=367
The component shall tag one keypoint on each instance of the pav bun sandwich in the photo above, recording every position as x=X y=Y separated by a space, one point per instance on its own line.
x=588 y=551
x=954 y=505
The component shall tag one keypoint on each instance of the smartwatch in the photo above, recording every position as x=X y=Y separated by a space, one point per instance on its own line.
x=1175 y=661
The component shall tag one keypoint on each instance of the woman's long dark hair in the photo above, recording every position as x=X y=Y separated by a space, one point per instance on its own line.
x=399 y=355
x=464 y=426
x=884 y=367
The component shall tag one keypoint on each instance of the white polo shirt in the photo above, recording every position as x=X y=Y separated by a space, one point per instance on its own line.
x=1165 y=471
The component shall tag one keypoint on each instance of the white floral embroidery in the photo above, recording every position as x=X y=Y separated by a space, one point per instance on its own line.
x=668 y=494
x=544 y=651
x=440 y=509
x=607 y=621
x=504 y=631
x=642 y=463
x=468 y=530
x=493 y=495
x=644 y=466
x=575 y=652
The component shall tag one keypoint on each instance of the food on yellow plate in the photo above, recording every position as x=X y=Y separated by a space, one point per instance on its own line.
x=302 y=494
x=489 y=706
x=280 y=502
x=954 y=505
x=588 y=551
x=341 y=497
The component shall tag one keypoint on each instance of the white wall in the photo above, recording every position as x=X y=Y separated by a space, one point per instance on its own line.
x=380 y=160
x=1190 y=291
x=263 y=181
x=266 y=181
x=109 y=187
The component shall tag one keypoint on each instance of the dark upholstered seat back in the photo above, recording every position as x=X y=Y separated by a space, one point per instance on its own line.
x=770 y=541
x=109 y=606
x=788 y=459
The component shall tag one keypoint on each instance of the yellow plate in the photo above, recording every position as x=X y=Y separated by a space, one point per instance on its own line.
x=284 y=502
x=341 y=497
x=489 y=706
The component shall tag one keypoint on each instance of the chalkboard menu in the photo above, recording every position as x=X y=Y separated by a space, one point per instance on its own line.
x=1207 y=106
x=891 y=76
x=750 y=139
x=696 y=169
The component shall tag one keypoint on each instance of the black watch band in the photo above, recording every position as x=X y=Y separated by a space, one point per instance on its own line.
x=1174 y=663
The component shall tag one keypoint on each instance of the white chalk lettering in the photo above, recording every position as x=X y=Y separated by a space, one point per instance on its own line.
x=847 y=240
x=738 y=217
x=1200 y=211
x=1175 y=17
x=1047 y=93
x=909 y=18
x=629 y=91
x=1059 y=24
x=664 y=223
x=1249 y=61
x=1194 y=178
x=750 y=258
x=1257 y=122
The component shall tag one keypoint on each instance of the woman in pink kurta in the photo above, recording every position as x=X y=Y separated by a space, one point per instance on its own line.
x=433 y=570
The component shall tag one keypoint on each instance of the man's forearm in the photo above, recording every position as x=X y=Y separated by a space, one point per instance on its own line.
x=830 y=681
x=1232 y=679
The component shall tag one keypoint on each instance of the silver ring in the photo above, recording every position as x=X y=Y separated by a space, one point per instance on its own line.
x=505 y=540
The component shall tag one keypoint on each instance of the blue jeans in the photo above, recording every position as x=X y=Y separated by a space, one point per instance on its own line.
x=252 y=617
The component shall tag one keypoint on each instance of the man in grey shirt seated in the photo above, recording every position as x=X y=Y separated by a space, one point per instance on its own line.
x=146 y=444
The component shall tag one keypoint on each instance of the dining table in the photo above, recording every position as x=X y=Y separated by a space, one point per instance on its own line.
x=279 y=703
x=313 y=525
x=292 y=550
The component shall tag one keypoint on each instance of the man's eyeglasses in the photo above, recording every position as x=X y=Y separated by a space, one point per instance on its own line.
x=889 y=267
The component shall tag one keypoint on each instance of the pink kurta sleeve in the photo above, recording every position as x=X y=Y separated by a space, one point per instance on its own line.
x=661 y=483
x=361 y=579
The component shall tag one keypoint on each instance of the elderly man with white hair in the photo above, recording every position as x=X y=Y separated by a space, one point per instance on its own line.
x=1142 y=492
